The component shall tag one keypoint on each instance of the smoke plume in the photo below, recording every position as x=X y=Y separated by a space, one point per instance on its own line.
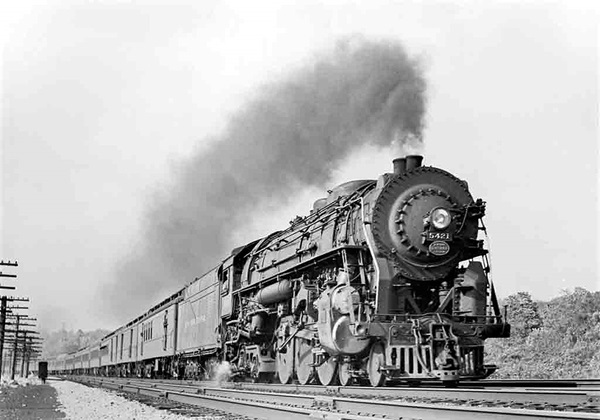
x=291 y=135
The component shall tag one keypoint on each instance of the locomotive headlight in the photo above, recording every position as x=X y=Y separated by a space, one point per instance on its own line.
x=440 y=218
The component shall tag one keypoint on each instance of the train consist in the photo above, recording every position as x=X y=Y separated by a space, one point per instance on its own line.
x=384 y=280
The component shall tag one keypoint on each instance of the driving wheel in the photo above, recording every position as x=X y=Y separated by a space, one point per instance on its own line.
x=304 y=360
x=327 y=372
x=376 y=362
x=285 y=362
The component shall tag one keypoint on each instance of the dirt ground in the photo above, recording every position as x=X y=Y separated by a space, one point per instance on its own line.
x=30 y=402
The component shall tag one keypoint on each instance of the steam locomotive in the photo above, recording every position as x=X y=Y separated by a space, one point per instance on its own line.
x=384 y=280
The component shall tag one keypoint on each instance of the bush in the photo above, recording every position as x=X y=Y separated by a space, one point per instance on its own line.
x=550 y=340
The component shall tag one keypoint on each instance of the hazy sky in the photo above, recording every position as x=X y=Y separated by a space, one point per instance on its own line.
x=102 y=101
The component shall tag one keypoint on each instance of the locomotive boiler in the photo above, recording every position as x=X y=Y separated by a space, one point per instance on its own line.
x=385 y=279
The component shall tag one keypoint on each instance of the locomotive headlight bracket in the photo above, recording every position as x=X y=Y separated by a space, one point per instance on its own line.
x=440 y=218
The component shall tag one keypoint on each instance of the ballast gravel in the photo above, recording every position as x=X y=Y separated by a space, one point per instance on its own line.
x=80 y=402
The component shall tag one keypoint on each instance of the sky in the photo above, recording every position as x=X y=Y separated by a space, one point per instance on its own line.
x=104 y=101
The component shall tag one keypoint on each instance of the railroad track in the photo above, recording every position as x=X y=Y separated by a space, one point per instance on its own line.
x=567 y=384
x=583 y=385
x=355 y=403
x=561 y=400
x=535 y=383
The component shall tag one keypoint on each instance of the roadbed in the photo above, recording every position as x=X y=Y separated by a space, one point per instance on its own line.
x=29 y=402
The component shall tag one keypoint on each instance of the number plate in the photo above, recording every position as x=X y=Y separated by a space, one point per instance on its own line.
x=439 y=236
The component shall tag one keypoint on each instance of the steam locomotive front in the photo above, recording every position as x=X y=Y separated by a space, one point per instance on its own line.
x=433 y=304
x=424 y=221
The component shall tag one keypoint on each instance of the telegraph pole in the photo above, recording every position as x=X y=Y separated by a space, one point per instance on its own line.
x=23 y=347
x=14 y=361
x=16 y=331
x=3 y=301
x=2 y=326
x=9 y=264
x=26 y=349
x=29 y=347
x=3 y=315
x=23 y=353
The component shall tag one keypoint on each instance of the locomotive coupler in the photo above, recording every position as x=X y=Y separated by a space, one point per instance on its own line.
x=445 y=362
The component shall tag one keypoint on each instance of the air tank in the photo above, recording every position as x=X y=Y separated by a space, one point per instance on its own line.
x=273 y=293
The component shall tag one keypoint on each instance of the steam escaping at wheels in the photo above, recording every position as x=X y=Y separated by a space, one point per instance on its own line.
x=222 y=372
x=385 y=280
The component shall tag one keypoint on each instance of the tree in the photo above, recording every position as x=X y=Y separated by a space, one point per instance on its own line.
x=556 y=339
x=64 y=342
x=523 y=315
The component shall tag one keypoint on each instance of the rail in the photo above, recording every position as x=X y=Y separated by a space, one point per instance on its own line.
x=348 y=402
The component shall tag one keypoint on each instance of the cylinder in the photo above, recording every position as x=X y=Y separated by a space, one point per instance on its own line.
x=274 y=293
x=413 y=162
x=399 y=166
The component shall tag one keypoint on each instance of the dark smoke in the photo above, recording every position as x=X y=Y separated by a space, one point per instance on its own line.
x=290 y=136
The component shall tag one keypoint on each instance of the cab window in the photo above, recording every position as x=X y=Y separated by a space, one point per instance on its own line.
x=225 y=282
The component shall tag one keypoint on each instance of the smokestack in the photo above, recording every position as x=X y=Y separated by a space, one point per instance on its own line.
x=358 y=93
x=399 y=166
x=413 y=162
